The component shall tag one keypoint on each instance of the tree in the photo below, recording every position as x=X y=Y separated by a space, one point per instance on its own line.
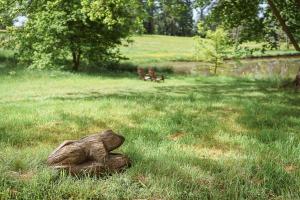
x=150 y=10
x=213 y=48
x=168 y=17
x=283 y=24
x=250 y=15
x=57 y=30
x=175 y=17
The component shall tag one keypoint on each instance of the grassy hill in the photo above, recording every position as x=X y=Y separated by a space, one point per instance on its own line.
x=163 y=50
x=157 y=48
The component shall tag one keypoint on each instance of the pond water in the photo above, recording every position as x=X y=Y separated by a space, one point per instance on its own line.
x=283 y=67
x=269 y=67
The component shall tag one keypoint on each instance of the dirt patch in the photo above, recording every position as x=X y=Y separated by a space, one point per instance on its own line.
x=213 y=152
x=26 y=176
x=176 y=136
x=290 y=168
x=23 y=176
x=205 y=182
x=142 y=180
x=51 y=127
x=13 y=192
x=230 y=118
x=257 y=181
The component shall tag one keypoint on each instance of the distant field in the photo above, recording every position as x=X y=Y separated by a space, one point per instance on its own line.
x=171 y=51
x=164 y=50
x=157 y=48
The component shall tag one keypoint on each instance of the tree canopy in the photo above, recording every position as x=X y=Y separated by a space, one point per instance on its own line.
x=256 y=19
x=54 y=31
x=168 y=17
x=213 y=48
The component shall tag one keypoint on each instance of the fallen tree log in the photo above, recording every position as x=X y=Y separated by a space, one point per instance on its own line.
x=90 y=155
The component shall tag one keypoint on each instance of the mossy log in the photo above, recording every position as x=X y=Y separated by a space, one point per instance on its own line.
x=90 y=155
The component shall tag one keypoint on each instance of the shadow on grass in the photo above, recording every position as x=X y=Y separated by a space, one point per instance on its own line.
x=268 y=113
x=117 y=69
x=9 y=64
x=263 y=107
x=210 y=179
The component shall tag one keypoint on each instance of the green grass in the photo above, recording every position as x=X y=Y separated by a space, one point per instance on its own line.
x=153 y=49
x=191 y=137
x=166 y=50
x=188 y=138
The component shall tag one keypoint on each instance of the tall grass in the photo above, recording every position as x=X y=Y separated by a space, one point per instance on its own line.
x=188 y=138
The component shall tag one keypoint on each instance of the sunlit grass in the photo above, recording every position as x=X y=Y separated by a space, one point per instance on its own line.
x=163 y=50
x=150 y=49
x=188 y=138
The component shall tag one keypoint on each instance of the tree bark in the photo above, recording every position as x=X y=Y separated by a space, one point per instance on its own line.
x=283 y=24
x=90 y=155
x=150 y=22
x=76 y=60
x=216 y=66
x=297 y=3
x=297 y=80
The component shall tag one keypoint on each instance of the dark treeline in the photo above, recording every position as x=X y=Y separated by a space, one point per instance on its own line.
x=168 y=17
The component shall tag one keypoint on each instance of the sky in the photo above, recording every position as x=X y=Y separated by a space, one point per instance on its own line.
x=19 y=21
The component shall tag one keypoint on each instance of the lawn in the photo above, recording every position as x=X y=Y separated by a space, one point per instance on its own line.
x=167 y=50
x=153 y=49
x=188 y=138
x=192 y=137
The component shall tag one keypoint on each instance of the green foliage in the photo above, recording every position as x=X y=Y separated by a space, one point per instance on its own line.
x=290 y=11
x=176 y=17
x=80 y=29
x=214 y=48
x=149 y=15
x=173 y=17
x=271 y=30
x=178 y=53
x=253 y=20
x=234 y=16
x=3 y=36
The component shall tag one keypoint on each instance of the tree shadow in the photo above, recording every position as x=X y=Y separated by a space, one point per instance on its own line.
x=268 y=113
x=262 y=104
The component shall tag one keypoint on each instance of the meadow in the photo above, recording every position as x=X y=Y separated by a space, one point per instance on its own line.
x=160 y=50
x=192 y=137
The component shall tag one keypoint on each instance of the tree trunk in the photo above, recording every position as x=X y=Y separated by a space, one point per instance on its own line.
x=150 y=22
x=297 y=80
x=76 y=60
x=90 y=155
x=297 y=3
x=283 y=25
x=216 y=66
